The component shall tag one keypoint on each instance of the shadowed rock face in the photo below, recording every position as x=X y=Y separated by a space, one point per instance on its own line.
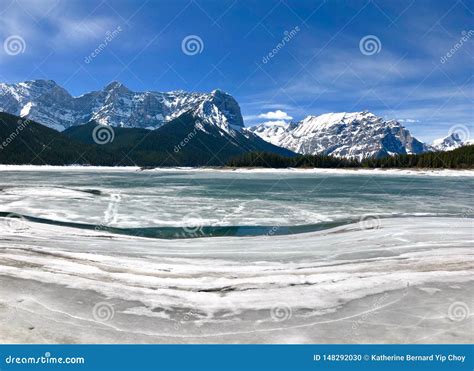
x=351 y=135
x=46 y=102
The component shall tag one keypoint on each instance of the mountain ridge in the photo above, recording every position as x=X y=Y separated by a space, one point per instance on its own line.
x=355 y=135
x=50 y=104
x=450 y=142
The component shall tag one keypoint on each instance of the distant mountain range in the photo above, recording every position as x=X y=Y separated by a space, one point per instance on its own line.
x=46 y=102
x=351 y=135
x=180 y=128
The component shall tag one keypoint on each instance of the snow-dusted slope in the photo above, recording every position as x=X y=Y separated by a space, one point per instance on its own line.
x=452 y=141
x=351 y=135
x=46 y=102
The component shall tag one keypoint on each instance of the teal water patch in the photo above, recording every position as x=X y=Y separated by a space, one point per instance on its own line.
x=172 y=233
x=189 y=232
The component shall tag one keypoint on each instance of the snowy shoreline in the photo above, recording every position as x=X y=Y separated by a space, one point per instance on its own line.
x=348 y=171
x=398 y=283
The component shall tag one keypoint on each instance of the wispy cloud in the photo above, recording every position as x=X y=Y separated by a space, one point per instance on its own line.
x=275 y=115
x=52 y=23
x=74 y=32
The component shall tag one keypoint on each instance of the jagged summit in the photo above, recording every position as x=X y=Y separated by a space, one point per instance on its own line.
x=115 y=85
x=450 y=142
x=343 y=134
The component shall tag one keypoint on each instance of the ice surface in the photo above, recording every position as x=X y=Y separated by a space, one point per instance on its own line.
x=129 y=198
x=254 y=289
x=401 y=271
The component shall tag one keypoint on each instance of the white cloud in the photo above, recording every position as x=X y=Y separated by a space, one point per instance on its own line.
x=275 y=115
x=82 y=30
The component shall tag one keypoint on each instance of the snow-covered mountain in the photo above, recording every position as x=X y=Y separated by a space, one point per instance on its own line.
x=48 y=103
x=351 y=135
x=452 y=141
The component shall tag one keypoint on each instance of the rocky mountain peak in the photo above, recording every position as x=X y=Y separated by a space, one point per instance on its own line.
x=450 y=142
x=343 y=134
x=116 y=86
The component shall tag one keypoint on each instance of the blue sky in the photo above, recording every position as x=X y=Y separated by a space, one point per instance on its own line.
x=320 y=68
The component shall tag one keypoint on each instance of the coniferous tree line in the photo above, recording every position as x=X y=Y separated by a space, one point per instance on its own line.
x=460 y=158
x=271 y=160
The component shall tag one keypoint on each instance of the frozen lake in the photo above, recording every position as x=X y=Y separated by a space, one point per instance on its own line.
x=107 y=255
